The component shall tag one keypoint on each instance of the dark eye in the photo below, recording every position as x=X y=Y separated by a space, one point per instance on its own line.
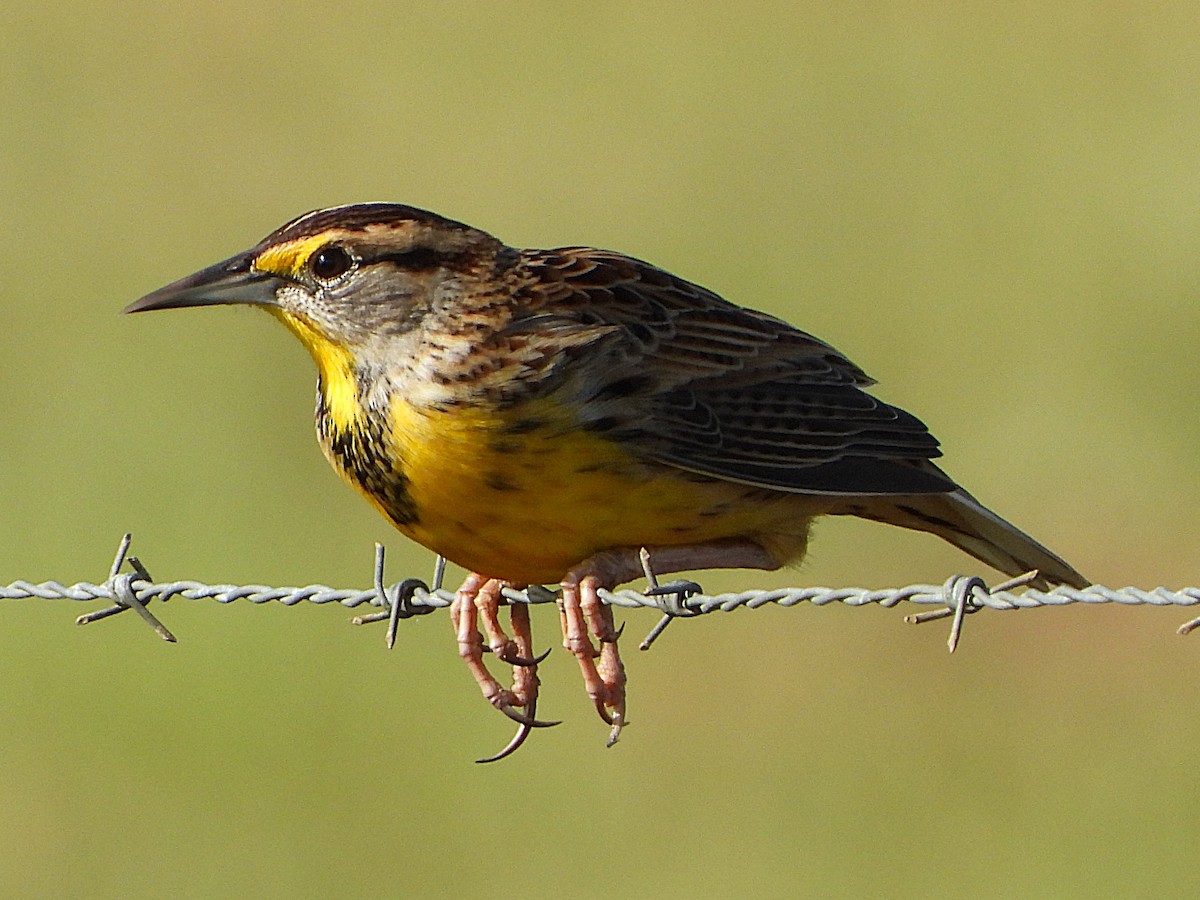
x=331 y=262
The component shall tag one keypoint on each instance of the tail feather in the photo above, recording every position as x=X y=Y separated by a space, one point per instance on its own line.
x=959 y=518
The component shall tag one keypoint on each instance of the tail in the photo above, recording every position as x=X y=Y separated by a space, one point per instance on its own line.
x=962 y=520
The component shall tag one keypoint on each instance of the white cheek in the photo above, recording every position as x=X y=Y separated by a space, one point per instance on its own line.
x=294 y=298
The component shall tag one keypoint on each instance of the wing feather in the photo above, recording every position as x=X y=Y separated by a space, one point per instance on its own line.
x=683 y=377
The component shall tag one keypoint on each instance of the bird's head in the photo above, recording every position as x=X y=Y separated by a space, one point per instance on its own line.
x=343 y=279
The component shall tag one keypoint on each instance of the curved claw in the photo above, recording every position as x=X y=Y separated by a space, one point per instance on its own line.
x=603 y=712
x=615 y=735
x=514 y=660
x=511 y=747
x=518 y=739
x=526 y=719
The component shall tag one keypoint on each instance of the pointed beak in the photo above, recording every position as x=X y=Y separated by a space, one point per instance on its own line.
x=231 y=281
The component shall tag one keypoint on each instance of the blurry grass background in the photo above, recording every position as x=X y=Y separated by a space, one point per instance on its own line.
x=993 y=209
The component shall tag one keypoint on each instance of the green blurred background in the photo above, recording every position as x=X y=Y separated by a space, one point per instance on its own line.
x=993 y=209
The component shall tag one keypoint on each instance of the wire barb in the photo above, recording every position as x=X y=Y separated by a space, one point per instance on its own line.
x=960 y=592
x=397 y=603
x=121 y=590
x=672 y=596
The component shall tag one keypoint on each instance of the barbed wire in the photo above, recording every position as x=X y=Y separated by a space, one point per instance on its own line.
x=959 y=596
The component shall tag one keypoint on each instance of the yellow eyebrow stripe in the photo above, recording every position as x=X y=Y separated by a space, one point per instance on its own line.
x=288 y=259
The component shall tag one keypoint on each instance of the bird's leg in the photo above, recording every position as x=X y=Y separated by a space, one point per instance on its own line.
x=479 y=598
x=525 y=680
x=584 y=615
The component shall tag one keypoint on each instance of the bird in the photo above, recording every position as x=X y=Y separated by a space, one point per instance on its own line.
x=549 y=416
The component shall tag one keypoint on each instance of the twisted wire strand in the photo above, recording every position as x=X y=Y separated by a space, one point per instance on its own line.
x=959 y=596
x=695 y=605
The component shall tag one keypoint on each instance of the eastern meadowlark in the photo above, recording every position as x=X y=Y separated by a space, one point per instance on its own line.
x=538 y=416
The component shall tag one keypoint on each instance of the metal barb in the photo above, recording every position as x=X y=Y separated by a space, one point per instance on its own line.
x=652 y=581
x=121 y=588
x=918 y=618
x=397 y=603
x=1020 y=581
x=644 y=558
x=394 y=605
x=385 y=600
x=673 y=595
x=961 y=589
x=119 y=559
x=649 y=639
x=959 y=594
x=672 y=598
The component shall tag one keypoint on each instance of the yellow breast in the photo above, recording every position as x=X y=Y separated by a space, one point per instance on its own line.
x=523 y=494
